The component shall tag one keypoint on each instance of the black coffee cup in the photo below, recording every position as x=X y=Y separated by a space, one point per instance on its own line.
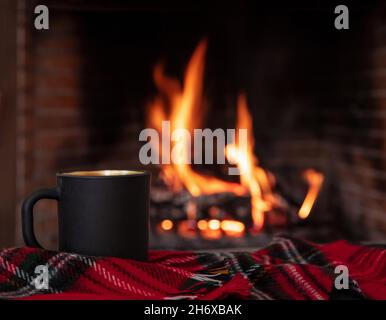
x=101 y=213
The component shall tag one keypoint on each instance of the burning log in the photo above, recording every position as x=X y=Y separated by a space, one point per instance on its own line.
x=196 y=207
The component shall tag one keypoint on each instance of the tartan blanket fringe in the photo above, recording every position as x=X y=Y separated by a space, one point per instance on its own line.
x=288 y=268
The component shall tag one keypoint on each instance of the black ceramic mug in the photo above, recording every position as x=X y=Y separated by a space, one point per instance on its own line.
x=101 y=213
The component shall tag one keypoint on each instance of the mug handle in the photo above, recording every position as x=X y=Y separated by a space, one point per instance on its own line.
x=27 y=220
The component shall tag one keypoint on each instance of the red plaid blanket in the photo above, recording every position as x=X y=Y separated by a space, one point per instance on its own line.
x=286 y=269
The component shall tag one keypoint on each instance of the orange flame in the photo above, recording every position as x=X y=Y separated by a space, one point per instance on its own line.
x=315 y=181
x=183 y=104
x=252 y=177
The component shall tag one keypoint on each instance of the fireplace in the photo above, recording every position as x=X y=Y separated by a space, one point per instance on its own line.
x=311 y=95
x=193 y=205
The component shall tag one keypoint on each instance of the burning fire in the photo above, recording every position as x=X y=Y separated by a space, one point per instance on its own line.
x=182 y=105
x=252 y=177
x=315 y=181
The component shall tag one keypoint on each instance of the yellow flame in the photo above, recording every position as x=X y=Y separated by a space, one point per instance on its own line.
x=252 y=177
x=183 y=104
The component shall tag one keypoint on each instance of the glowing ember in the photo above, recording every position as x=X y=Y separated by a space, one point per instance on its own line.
x=202 y=225
x=210 y=229
x=315 y=181
x=232 y=228
x=211 y=234
x=214 y=224
x=167 y=225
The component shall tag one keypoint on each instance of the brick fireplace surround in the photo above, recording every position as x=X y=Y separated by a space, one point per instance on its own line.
x=76 y=103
